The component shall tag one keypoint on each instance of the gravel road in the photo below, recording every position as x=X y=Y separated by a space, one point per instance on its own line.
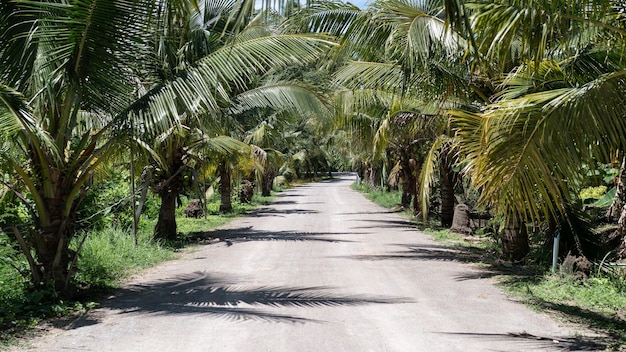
x=321 y=269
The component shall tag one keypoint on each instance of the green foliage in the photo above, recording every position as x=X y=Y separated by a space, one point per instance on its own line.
x=108 y=204
x=382 y=197
x=595 y=302
x=110 y=254
x=12 y=285
x=12 y=211
x=592 y=193
x=24 y=307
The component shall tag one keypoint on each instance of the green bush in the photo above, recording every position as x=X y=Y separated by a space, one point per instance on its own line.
x=110 y=254
x=109 y=204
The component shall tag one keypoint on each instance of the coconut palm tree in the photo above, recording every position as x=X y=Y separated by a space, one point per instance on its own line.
x=69 y=83
x=423 y=65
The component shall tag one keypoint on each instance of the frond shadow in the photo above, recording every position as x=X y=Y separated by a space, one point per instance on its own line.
x=613 y=326
x=247 y=234
x=382 y=211
x=452 y=254
x=283 y=202
x=201 y=294
x=534 y=343
x=266 y=211
x=386 y=224
x=414 y=253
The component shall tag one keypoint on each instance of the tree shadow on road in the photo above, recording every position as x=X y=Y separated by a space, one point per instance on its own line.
x=529 y=342
x=421 y=252
x=615 y=327
x=201 y=294
x=261 y=212
x=284 y=202
x=247 y=234
x=386 y=224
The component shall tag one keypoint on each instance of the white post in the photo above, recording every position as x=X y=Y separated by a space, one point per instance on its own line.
x=555 y=251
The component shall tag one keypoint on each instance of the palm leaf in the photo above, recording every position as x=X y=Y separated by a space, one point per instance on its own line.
x=428 y=172
x=526 y=148
x=325 y=17
x=280 y=96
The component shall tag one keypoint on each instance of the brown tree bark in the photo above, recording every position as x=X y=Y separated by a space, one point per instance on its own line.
x=621 y=227
x=372 y=176
x=165 y=227
x=267 y=182
x=515 y=240
x=616 y=209
x=53 y=256
x=169 y=191
x=409 y=182
x=225 y=188
x=448 y=178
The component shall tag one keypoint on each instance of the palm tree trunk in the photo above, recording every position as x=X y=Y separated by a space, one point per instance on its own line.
x=621 y=226
x=53 y=256
x=618 y=211
x=515 y=240
x=225 y=188
x=447 y=192
x=166 y=224
x=409 y=183
x=619 y=200
x=267 y=182
x=372 y=176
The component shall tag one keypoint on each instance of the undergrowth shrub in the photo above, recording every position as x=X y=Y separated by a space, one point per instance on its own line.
x=110 y=254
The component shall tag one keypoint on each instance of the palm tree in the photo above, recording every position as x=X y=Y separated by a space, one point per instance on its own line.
x=68 y=84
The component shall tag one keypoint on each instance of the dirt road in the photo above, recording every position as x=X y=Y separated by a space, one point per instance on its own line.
x=322 y=269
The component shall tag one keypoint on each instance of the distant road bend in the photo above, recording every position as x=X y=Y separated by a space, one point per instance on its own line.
x=321 y=269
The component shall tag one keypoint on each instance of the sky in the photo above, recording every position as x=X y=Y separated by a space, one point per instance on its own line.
x=362 y=4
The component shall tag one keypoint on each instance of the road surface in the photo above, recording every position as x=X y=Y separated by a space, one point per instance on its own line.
x=321 y=269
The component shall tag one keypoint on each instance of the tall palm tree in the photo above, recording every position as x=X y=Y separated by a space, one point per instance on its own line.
x=69 y=82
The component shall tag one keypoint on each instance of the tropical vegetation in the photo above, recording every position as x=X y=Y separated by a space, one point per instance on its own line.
x=514 y=108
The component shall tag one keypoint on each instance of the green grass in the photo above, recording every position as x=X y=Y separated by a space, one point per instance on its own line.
x=387 y=199
x=106 y=257
x=598 y=302
x=111 y=254
x=444 y=235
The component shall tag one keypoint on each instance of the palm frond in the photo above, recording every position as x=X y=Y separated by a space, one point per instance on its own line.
x=330 y=18
x=370 y=75
x=531 y=29
x=237 y=63
x=280 y=96
x=428 y=172
x=222 y=145
x=522 y=152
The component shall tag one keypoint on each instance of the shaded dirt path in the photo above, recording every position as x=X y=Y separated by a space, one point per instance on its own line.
x=321 y=269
